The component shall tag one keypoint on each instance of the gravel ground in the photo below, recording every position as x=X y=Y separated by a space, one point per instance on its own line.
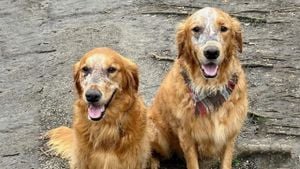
x=40 y=40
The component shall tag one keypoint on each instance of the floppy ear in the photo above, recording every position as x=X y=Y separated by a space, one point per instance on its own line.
x=238 y=34
x=131 y=78
x=180 y=39
x=76 y=76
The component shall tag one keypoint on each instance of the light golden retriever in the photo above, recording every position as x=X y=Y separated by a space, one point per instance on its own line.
x=110 y=121
x=201 y=105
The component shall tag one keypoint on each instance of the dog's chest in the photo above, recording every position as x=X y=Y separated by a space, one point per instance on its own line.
x=213 y=131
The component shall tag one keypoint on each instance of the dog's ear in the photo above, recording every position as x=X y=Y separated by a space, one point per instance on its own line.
x=76 y=77
x=238 y=34
x=180 y=39
x=131 y=82
x=183 y=39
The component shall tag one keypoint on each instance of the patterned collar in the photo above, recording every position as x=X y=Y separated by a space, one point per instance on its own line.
x=209 y=102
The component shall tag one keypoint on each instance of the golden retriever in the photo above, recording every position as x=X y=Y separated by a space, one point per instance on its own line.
x=201 y=105
x=110 y=121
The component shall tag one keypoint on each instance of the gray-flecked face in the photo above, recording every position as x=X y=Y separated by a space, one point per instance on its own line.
x=101 y=76
x=96 y=78
x=97 y=74
x=211 y=36
x=206 y=30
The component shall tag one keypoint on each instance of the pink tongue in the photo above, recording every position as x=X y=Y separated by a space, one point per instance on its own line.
x=210 y=69
x=95 y=111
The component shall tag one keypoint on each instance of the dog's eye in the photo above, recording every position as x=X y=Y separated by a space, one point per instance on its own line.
x=86 y=70
x=111 y=70
x=224 y=28
x=197 y=29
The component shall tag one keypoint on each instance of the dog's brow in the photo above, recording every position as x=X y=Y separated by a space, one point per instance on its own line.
x=98 y=73
x=98 y=67
x=210 y=33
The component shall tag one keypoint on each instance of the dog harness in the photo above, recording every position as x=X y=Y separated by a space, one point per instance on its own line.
x=209 y=102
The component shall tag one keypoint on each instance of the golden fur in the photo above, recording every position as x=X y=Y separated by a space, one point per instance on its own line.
x=120 y=139
x=177 y=127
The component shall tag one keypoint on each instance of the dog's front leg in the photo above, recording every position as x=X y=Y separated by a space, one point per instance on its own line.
x=154 y=163
x=78 y=162
x=189 y=150
x=226 y=158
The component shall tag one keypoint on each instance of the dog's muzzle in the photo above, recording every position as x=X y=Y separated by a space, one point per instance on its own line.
x=211 y=52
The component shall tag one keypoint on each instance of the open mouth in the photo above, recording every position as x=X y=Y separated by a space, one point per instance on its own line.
x=96 y=112
x=210 y=70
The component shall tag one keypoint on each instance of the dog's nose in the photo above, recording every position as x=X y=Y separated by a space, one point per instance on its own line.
x=93 y=95
x=211 y=52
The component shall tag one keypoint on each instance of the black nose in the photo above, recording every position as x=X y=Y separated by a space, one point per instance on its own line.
x=211 y=52
x=93 y=95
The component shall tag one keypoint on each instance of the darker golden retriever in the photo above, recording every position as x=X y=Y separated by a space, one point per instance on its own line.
x=201 y=105
x=110 y=122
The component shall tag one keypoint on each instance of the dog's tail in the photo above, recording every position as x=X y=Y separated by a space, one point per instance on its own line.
x=61 y=141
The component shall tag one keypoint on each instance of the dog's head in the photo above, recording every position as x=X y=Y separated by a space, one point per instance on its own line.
x=208 y=38
x=101 y=76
